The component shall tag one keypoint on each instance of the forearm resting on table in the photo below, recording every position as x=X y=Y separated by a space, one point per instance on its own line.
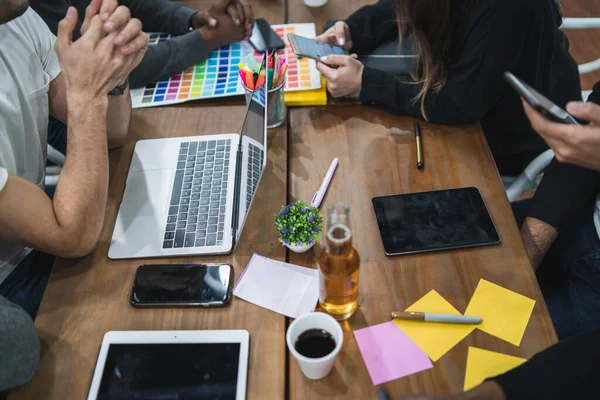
x=118 y=118
x=68 y=225
x=537 y=236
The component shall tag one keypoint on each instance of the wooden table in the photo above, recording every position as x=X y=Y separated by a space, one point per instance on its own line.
x=377 y=157
x=86 y=298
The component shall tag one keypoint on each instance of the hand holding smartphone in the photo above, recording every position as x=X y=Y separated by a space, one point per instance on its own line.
x=538 y=102
x=310 y=48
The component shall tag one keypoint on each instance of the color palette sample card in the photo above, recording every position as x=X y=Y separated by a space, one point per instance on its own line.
x=218 y=75
x=302 y=73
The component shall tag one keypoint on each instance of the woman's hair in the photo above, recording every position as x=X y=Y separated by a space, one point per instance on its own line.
x=437 y=27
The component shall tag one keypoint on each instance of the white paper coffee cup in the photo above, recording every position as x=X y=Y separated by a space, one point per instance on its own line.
x=315 y=368
x=315 y=3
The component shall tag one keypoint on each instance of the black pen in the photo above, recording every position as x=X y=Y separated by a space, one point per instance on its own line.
x=383 y=395
x=419 y=144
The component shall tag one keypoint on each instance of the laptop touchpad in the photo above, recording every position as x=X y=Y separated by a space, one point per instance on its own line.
x=141 y=220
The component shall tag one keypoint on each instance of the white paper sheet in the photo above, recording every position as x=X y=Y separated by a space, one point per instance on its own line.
x=285 y=288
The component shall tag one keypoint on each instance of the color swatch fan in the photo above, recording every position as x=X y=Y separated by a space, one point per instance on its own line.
x=218 y=75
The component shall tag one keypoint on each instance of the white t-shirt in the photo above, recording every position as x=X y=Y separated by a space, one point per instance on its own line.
x=27 y=66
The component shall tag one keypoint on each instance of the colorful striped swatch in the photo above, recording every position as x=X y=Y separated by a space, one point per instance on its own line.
x=218 y=75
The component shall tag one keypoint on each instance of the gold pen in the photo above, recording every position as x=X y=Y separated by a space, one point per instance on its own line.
x=419 y=144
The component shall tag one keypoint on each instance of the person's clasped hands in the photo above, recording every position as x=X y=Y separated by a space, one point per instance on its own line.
x=343 y=73
x=112 y=44
x=226 y=21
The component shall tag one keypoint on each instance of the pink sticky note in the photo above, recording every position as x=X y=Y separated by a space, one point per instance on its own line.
x=389 y=354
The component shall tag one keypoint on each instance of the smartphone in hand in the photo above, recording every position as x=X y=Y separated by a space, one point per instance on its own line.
x=538 y=102
x=310 y=48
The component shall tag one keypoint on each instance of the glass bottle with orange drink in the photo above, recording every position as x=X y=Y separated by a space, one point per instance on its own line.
x=339 y=266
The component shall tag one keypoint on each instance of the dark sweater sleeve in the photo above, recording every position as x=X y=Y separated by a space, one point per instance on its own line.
x=161 y=15
x=475 y=84
x=565 y=188
x=567 y=370
x=168 y=58
x=373 y=25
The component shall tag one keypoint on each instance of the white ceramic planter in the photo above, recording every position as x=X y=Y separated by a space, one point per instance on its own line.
x=315 y=3
x=300 y=249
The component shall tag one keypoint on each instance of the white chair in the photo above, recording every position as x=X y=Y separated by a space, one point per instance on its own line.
x=52 y=172
x=532 y=175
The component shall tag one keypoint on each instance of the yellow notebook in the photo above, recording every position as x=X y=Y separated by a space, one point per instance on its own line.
x=317 y=97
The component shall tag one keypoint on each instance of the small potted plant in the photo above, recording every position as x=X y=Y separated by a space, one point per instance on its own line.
x=298 y=226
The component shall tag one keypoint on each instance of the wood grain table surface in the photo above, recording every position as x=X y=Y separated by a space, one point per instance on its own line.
x=377 y=157
x=88 y=297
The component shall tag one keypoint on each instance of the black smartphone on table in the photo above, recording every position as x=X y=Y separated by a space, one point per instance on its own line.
x=194 y=285
x=264 y=38
x=310 y=48
x=538 y=102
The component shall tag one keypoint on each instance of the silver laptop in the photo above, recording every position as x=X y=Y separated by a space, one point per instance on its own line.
x=191 y=195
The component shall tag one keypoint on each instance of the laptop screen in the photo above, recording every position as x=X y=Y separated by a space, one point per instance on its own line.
x=254 y=148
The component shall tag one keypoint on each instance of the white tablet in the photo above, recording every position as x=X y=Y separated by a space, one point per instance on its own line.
x=172 y=365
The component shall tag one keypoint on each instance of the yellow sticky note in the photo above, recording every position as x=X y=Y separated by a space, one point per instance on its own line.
x=434 y=338
x=484 y=364
x=505 y=313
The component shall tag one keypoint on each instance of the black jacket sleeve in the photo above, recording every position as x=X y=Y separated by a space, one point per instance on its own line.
x=168 y=58
x=565 y=188
x=567 y=370
x=475 y=83
x=373 y=25
x=161 y=15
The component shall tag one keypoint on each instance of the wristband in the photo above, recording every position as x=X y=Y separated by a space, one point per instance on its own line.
x=119 y=90
x=191 y=23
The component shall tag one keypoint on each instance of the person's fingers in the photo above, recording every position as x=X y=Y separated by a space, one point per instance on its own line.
x=107 y=8
x=95 y=32
x=233 y=12
x=326 y=70
x=129 y=32
x=585 y=111
x=138 y=43
x=220 y=6
x=248 y=14
x=118 y=19
x=334 y=59
x=64 y=35
x=204 y=18
x=249 y=19
x=240 y=9
x=355 y=56
x=340 y=33
x=547 y=129
x=92 y=9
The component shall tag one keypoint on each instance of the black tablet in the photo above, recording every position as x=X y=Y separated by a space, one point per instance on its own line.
x=433 y=221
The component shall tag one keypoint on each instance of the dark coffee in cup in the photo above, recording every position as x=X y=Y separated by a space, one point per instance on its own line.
x=315 y=343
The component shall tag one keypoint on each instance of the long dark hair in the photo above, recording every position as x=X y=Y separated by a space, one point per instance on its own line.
x=437 y=27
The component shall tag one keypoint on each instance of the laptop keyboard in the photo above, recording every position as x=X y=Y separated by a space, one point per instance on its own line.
x=255 y=162
x=197 y=209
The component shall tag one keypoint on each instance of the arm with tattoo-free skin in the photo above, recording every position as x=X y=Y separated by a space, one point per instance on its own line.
x=69 y=224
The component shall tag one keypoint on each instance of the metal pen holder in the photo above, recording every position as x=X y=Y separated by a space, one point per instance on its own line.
x=276 y=108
